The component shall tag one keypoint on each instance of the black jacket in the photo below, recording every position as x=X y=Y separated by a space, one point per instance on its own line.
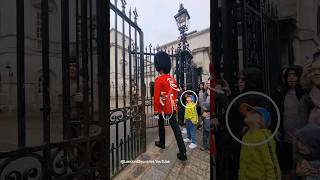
x=279 y=97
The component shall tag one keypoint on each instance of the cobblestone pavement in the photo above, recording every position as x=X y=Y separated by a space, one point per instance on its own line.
x=196 y=167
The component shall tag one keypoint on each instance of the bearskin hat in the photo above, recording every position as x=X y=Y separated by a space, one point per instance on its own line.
x=162 y=62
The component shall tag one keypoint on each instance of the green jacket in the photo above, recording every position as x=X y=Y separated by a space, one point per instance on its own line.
x=191 y=112
x=256 y=162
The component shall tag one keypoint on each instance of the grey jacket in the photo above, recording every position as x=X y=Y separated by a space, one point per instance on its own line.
x=305 y=107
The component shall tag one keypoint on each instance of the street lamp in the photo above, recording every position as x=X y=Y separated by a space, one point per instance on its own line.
x=182 y=19
x=184 y=56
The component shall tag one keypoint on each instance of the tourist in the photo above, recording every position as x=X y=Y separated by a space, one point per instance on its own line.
x=309 y=109
x=308 y=145
x=202 y=96
x=206 y=127
x=228 y=149
x=191 y=120
x=287 y=99
x=75 y=90
x=309 y=116
x=76 y=102
x=258 y=161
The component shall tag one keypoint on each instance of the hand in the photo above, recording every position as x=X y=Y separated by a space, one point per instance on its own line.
x=315 y=172
x=306 y=71
x=307 y=66
x=244 y=129
x=156 y=117
x=226 y=87
x=218 y=90
x=278 y=136
x=303 y=168
x=215 y=123
x=204 y=114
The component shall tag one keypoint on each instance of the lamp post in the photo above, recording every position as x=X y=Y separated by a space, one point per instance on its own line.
x=182 y=20
x=184 y=56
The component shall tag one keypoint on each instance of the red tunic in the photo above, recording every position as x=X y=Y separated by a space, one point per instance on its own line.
x=163 y=85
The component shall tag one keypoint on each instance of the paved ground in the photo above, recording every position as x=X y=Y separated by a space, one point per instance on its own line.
x=196 y=167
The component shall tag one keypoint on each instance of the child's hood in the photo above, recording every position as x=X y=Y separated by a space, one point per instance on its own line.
x=310 y=136
x=190 y=104
x=257 y=136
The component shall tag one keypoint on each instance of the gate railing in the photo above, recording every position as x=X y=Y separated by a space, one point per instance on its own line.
x=248 y=37
x=59 y=154
x=127 y=97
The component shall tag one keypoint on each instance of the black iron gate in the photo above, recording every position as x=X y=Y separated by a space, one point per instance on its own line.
x=246 y=35
x=128 y=88
x=97 y=127
x=82 y=151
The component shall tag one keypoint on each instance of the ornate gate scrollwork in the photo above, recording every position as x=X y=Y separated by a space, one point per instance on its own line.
x=9 y=171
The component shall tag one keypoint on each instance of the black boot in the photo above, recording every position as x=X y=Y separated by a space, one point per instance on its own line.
x=182 y=156
x=158 y=144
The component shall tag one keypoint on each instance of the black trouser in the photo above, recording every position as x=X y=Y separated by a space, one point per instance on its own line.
x=176 y=130
x=285 y=156
x=227 y=158
x=227 y=164
x=181 y=111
